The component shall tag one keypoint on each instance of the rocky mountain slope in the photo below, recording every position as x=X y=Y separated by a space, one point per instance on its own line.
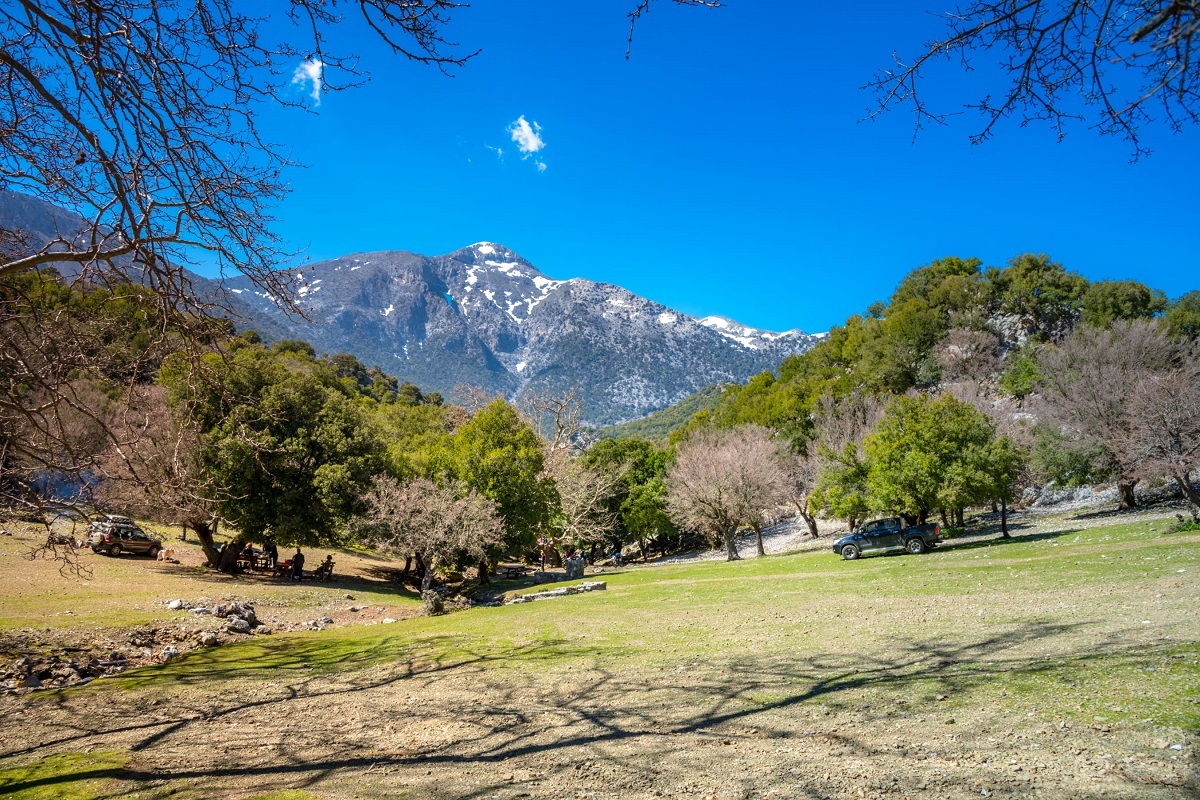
x=484 y=316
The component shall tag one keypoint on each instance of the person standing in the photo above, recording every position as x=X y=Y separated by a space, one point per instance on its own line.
x=272 y=553
x=298 y=566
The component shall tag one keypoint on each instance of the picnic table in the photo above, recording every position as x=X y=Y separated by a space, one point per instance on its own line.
x=512 y=571
x=259 y=562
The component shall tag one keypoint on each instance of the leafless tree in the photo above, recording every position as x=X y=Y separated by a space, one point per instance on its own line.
x=586 y=514
x=439 y=524
x=1089 y=381
x=555 y=416
x=800 y=471
x=725 y=478
x=840 y=425
x=643 y=7
x=967 y=354
x=1163 y=437
x=138 y=120
x=1113 y=64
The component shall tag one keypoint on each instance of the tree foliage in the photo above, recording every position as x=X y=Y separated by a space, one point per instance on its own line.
x=928 y=454
x=1105 y=302
x=286 y=451
x=498 y=455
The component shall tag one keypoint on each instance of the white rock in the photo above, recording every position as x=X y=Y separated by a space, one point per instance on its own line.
x=175 y=605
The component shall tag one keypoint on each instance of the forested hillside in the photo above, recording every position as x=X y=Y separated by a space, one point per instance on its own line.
x=971 y=384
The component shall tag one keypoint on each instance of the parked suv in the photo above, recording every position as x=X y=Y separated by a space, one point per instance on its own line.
x=115 y=534
x=888 y=535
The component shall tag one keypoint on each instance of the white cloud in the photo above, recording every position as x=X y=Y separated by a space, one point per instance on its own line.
x=310 y=72
x=497 y=150
x=528 y=137
x=541 y=166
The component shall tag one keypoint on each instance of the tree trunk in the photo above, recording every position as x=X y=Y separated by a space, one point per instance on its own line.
x=1004 y=519
x=731 y=552
x=483 y=573
x=427 y=578
x=945 y=519
x=229 y=556
x=205 y=534
x=758 y=542
x=1128 y=498
x=811 y=522
x=958 y=518
x=408 y=559
x=1187 y=490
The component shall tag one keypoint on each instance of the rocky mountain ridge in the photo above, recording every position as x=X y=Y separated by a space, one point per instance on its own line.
x=484 y=316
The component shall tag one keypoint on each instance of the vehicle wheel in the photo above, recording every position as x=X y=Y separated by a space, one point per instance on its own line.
x=850 y=552
x=152 y=552
x=915 y=545
x=114 y=550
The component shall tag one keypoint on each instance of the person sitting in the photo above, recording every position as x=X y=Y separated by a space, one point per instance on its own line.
x=325 y=571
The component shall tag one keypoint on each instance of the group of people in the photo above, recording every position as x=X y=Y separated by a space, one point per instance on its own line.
x=293 y=567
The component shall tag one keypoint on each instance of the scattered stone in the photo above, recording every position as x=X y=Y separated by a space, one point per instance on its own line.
x=31 y=681
x=349 y=597
x=208 y=639
x=201 y=610
x=587 y=586
x=387 y=620
x=175 y=605
x=354 y=609
x=169 y=652
x=237 y=625
x=1177 y=747
x=263 y=630
x=326 y=621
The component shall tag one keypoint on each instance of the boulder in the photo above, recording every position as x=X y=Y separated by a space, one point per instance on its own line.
x=208 y=639
x=237 y=625
x=175 y=605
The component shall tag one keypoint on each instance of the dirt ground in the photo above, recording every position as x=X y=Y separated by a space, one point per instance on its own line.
x=879 y=697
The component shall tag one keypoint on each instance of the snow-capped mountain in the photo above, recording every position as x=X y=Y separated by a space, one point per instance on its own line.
x=484 y=316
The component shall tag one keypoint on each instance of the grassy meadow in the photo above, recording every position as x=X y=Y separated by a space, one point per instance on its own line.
x=1062 y=663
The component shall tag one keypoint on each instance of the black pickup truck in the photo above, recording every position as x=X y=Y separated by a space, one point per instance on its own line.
x=886 y=536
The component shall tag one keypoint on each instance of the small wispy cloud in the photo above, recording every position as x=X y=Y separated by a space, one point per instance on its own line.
x=541 y=166
x=527 y=136
x=497 y=150
x=308 y=75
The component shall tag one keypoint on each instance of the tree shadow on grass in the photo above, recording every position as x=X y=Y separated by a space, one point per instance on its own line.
x=974 y=543
x=660 y=715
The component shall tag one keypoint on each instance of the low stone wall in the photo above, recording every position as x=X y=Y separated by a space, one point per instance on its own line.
x=579 y=588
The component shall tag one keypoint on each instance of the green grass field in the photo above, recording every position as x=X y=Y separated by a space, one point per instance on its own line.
x=1086 y=637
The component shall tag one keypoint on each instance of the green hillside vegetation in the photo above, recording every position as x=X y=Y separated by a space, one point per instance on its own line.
x=659 y=425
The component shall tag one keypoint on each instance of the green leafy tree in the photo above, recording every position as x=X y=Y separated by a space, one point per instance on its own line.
x=1020 y=379
x=641 y=498
x=1183 y=316
x=1106 y=301
x=925 y=455
x=1041 y=291
x=500 y=456
x=287 y=452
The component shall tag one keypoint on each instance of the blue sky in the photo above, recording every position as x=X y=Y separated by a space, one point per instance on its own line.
x=724 y=168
